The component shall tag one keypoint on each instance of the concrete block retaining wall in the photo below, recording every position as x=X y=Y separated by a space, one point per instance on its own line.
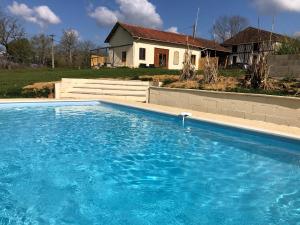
x=273 y=109
x=284 y=66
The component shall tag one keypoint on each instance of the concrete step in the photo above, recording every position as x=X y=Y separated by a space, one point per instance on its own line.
x=99 y=97
x=106 y=92
x=96 y=89
x=110 y=87
x=109 y=82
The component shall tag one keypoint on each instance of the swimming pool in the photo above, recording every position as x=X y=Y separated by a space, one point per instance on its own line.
x=96 y=163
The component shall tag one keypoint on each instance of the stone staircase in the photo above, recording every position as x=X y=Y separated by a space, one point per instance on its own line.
x=132 y=90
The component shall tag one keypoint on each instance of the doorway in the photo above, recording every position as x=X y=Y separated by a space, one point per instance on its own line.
x=161 y=58
x=234 y=60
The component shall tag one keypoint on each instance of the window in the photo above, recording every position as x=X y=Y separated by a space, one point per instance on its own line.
x=255 y=47
x=162 y=60
x=123 y=56
x=234 y=48
x=176 y=58
x=142 y=54
x=193 y=59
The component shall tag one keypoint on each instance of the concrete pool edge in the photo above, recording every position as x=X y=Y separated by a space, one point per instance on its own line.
x=258 y=126
x=249 y=125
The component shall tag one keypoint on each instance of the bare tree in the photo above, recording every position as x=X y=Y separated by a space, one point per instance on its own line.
x=210 y=72
x=227 y=26
x=188 y=70
x=84 y=49
x=41 y=45
x=10 y=30
x=69 y=42
x=259 y=73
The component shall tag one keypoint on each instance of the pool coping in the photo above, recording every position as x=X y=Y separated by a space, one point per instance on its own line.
x=250 y=125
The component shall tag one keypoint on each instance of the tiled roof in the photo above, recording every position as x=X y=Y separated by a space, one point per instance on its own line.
x=166 y=37
x=253 y=35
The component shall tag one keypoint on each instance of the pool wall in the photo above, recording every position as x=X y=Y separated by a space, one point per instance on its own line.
x=273 y=109
x=221 y=120
x=47 y=103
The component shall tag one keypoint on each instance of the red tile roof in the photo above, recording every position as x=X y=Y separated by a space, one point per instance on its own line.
x=166 y=37
x=253 y=35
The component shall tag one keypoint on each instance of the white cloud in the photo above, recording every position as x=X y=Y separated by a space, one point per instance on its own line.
x=140 y=12
x=173 y=30
x=103 y=16
x=277 y=5
x=46 y=14
x=41 y=15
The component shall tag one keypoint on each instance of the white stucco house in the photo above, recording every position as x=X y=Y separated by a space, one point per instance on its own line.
x=135 y=46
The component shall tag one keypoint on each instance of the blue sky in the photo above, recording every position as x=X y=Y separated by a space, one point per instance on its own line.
x=93 y=19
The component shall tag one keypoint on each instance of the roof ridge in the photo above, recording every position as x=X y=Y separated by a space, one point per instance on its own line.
x=260 y=29
x=148 y=28
x=252 y=34
x=167 y=32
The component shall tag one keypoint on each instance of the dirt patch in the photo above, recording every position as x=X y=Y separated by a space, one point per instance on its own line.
x=232 y=84
x=184 y=84
x=222 y=84
x=164 y=79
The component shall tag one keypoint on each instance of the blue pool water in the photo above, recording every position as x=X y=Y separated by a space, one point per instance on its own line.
x=107 y=164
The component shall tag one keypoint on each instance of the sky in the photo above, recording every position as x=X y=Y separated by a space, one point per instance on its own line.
x=93 y=19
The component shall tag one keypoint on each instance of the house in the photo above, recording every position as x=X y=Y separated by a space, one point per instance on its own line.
x=135 y=46
x=97 y=61
x=249 y=43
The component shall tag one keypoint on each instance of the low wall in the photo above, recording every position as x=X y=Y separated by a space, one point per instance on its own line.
x=285 y=66
x=273 y=109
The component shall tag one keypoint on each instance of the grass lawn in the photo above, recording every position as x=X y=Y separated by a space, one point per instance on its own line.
x=12 y=81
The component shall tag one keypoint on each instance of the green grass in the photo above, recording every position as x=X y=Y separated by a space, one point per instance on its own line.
x=260 y=91
x=232 y=72
x=12 y=81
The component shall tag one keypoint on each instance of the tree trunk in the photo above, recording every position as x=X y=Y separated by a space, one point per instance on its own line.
x=70 y=57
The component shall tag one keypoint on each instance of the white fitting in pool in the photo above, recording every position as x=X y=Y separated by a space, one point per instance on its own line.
x=184 y=115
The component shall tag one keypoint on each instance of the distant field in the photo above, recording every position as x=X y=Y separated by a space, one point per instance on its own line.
x=12 y=81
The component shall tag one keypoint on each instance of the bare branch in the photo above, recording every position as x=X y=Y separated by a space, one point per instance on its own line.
x=10 y=30
x=226 y=27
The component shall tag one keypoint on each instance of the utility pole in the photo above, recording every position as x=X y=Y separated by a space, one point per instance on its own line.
x=271 y=35
x=195 y=25
x=52 y=49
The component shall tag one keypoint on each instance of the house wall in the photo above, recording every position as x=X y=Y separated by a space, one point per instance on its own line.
x=97 y=61
x=120 y=38
x=245 y=52
x=242 y=57
x=150 y=46
x=273 y=109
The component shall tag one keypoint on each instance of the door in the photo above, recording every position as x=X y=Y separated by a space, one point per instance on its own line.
x=161 y=58
x=234 y=60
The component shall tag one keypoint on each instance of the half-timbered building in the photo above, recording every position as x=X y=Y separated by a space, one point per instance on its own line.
x=247 y=45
